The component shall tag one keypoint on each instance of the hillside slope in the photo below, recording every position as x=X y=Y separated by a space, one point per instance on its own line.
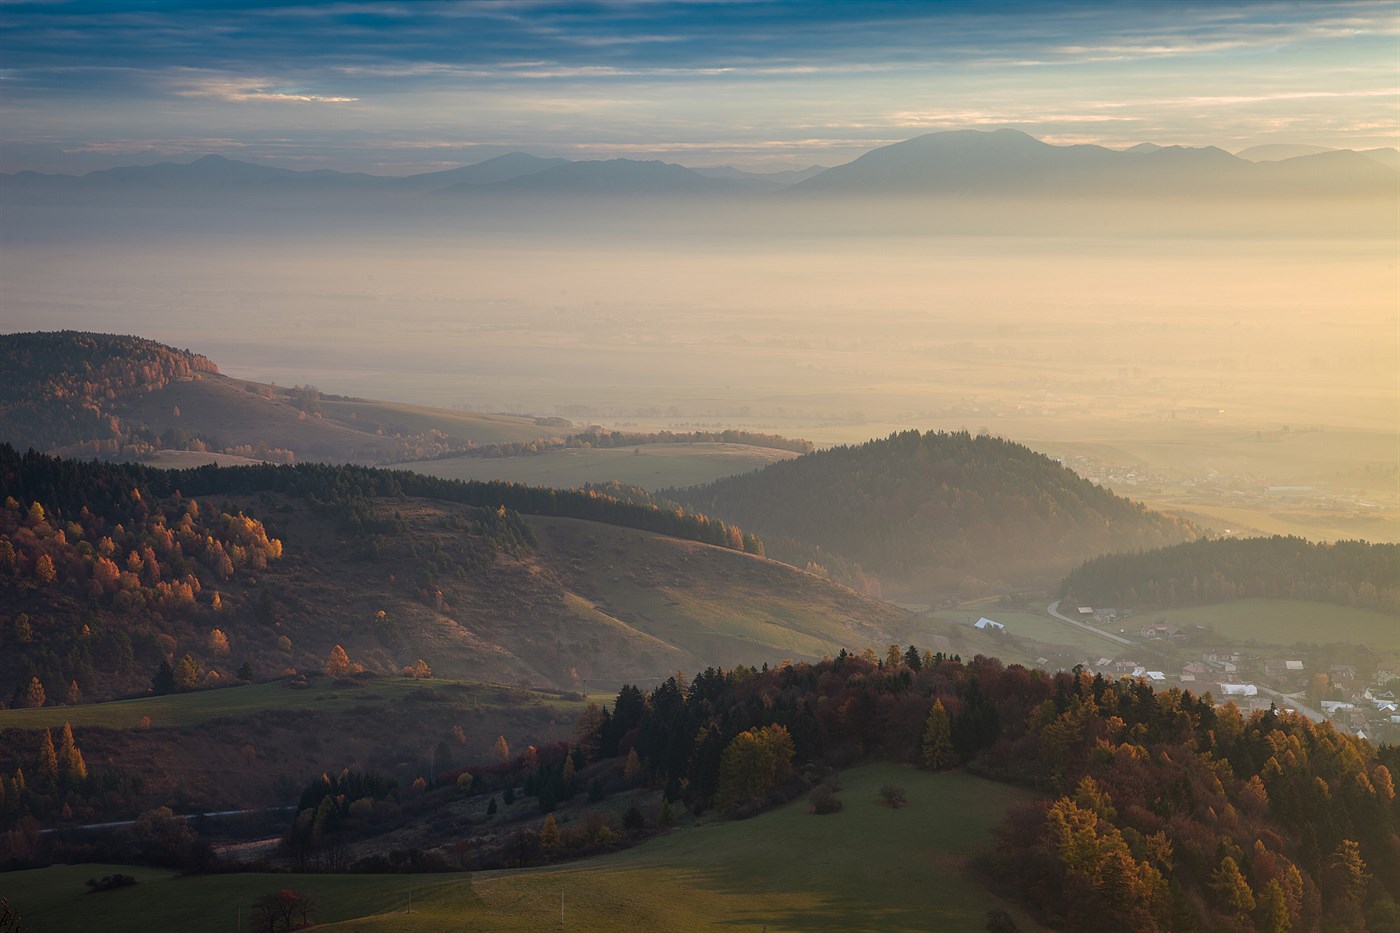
x=115 y=571
x=922 y=510
x=86 y=394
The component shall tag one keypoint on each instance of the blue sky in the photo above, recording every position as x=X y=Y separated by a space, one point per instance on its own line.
x=403 y=87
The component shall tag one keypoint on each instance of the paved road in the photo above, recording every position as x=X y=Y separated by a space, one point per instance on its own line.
x=1284 y=701
x=1054 y=610
x=188 y=816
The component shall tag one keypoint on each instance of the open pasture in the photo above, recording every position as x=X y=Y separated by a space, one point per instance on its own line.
x=650 y=466
x=866 y=867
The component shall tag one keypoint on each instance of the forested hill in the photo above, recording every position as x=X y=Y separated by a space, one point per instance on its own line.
x=107 y=569
x=936 y=506
x=60 y=388
x=1348 y=573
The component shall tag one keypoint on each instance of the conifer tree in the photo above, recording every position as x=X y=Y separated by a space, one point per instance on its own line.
x=71 y=766
x=938 y=752
x=48 y=759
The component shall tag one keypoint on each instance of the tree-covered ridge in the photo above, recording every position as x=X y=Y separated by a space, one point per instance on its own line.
x=1164 y=811
x=915 y=503
x=1348 y=573
x=60 y=386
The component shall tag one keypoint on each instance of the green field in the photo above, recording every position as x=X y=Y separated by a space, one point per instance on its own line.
x=651 y=466
x=415 y=419
x=1031 y=625
x=865 y=868
x=186 y=709
x=1288 y=622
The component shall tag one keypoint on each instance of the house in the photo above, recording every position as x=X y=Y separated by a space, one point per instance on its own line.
x=1342 y=673
x=1283 y=668
x=987 y=625
x=1160 y=630
x=1157 y=677
x=1239 y=690
x=1086 y=610
x=1330 y=707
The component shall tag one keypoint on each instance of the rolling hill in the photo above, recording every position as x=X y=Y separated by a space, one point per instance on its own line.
x=82 y=394
x=928 y=510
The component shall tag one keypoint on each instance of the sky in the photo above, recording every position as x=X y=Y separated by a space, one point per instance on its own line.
x=397 y=88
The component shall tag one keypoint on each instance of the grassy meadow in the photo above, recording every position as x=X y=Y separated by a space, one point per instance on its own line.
x=865 y=868
x=188 y=709
x=1288 y=622
x=650 y=466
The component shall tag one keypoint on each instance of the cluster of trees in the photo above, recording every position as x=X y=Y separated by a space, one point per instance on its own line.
x=1165 y=811
x=52 y=782
x=943 y=503
x=1348 y=573
x=61 y=388
x=597 y=437
x=127 y=563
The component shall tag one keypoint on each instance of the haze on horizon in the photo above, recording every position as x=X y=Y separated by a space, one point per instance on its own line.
x=1161 y=341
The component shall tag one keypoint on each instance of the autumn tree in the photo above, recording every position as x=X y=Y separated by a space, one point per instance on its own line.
x=71 y=767
x=754 y=762
x=218 y=641
x=34 y=696
x=337 y=663
x=502 y=749
x=188 y=673
x=549 y=833
x=48 y=758
x=938 y=751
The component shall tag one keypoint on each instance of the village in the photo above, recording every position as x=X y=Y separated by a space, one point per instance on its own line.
x=1339 y=683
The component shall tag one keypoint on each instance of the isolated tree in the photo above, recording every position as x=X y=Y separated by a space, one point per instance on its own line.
x=938 y=751
x=337 y=663
x=491 y=807
x=502 y=749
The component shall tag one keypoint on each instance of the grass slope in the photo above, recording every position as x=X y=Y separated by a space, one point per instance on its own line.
x=188 y=709
x=652 y=466
x=864 y=868
x=1287 y=622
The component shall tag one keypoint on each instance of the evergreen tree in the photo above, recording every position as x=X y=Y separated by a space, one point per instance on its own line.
x=938 y=752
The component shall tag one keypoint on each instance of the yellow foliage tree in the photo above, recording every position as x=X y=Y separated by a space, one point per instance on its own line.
x=337 y=663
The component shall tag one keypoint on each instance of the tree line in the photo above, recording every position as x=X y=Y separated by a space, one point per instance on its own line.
x=1346 y=573
x=1162 y=810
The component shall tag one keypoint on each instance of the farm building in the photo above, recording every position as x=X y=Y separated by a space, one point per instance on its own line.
x=987 y=625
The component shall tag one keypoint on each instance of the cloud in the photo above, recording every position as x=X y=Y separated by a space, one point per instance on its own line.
x=242 y=90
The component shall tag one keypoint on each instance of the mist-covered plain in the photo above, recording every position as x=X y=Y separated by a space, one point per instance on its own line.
x=1248 y=379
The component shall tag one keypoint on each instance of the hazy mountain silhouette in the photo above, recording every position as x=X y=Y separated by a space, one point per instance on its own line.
x=1008 y=162
x=492 y=171
x=608 y=178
